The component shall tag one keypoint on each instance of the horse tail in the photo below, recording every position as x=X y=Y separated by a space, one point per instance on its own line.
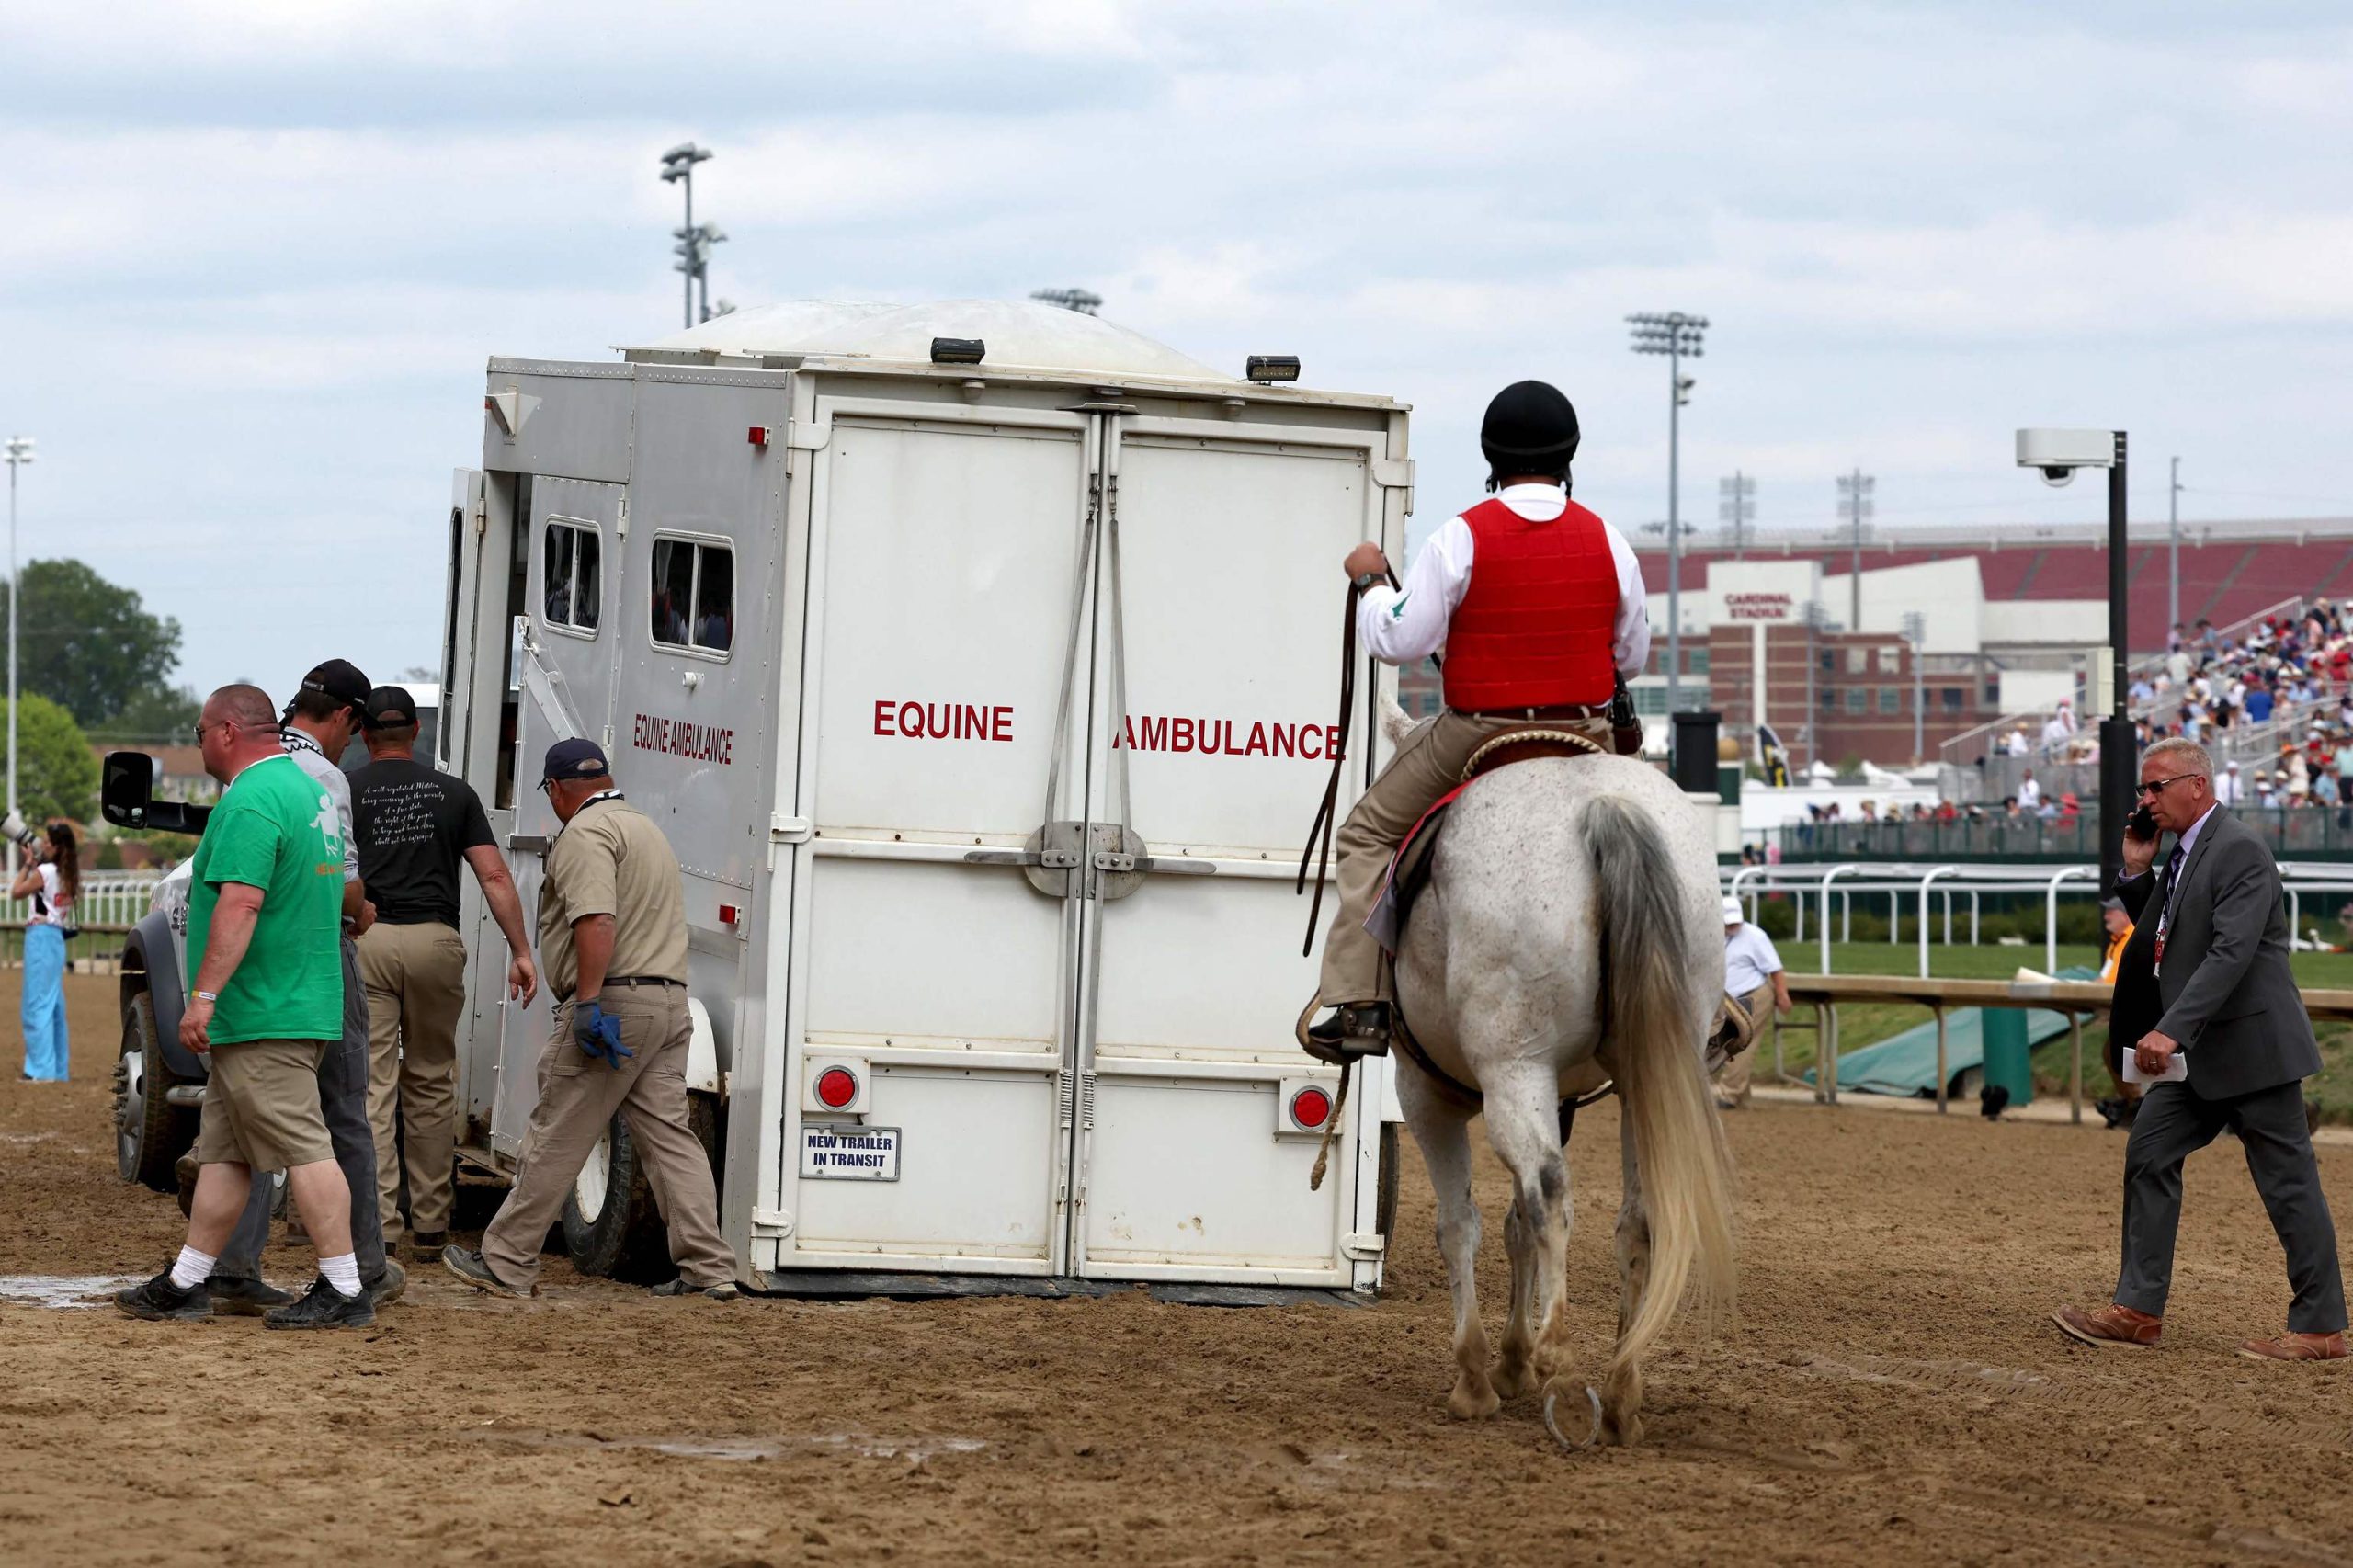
x=1685 y=1168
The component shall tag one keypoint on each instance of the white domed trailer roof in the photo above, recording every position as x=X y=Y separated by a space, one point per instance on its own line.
x=1021 y=336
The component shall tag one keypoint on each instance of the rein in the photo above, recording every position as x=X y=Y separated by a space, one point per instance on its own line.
x=1327 y=814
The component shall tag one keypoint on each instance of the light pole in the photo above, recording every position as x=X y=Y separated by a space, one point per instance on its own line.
x=1811 y=612
x=2173 y=546
x=1916 y=631
x=1738 y=507
x=19 y=451
x=2058 y=454
x=1676 y=336
x=678 y=168
x=1854 y=505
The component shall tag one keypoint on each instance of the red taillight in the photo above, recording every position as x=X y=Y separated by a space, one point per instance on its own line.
x=759 y=435
x=1311 y=1107
x=729 y=914
x=836 y=1086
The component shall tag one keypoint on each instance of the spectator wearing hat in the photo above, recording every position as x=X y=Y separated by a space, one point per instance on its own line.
x=2230 y=789
x=1753 y=974
x=413 y=826
x=314 y=730
x=613 y=940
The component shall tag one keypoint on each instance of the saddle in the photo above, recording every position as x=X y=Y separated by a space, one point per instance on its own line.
x=1734 y=1031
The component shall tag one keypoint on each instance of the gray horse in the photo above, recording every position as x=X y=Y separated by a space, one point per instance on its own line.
x=1571 y=934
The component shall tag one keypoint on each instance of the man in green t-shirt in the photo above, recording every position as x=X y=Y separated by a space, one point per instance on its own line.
x=264 y=912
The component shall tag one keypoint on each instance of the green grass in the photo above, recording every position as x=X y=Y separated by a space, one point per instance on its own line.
x=1862 y=1023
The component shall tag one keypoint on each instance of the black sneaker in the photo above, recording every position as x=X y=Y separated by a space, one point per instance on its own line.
x=238 y=1296
x=323 y=1306
x=385 y=1288
x=723 y=1291
x=469 y=1266
x=1347 y=1033
x=160 y=1300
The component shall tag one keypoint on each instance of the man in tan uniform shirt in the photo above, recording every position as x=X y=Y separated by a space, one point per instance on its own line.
x=613 y=947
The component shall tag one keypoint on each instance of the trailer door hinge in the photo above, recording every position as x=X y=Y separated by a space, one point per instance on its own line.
x=621 y=520
x=1363 y=1247
x=790 y=830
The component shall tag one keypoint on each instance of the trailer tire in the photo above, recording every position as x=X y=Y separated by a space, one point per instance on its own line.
x=612 y=1227
x=149 y=1133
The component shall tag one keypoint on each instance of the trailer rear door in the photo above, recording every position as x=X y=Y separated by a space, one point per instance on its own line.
x=927 y=974
x=1220 y=623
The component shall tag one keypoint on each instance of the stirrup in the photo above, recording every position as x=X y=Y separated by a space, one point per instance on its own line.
x=1350 y=1033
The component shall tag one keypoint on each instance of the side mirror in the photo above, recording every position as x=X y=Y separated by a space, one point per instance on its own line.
x=127 y=797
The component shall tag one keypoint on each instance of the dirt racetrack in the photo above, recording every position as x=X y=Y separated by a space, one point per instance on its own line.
x=1893 y=1394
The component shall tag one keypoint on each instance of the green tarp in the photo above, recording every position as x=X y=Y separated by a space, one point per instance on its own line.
x=1907 y=1063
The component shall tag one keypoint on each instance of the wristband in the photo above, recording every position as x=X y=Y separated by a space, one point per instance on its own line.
x=1366 y=580
x=208 y=995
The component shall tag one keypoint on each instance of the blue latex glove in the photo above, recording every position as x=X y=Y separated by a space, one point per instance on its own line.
x=599 y=1034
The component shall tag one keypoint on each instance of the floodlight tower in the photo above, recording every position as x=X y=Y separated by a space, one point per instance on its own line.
x=678 y=168
x=1678 y=337
x=1856 y=506
x=18 y=452
x=1738 y=507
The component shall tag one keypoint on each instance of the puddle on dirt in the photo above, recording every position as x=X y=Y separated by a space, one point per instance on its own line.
x=746 y=1448
x=63 y=1291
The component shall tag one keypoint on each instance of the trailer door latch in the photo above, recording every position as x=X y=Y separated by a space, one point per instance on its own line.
x=790 y=830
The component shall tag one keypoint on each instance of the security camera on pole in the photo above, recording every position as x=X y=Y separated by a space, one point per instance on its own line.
x=2057 y=454
x=18 y=452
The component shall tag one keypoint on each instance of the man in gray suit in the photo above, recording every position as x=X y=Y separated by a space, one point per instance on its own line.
x=2206 y=978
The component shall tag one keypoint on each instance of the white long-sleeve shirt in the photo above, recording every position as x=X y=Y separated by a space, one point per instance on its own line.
x=1401 y=627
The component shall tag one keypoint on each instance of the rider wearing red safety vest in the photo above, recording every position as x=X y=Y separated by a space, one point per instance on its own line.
x=1539 y=607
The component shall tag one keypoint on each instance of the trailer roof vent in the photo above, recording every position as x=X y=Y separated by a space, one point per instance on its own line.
x=957 y=351
x=1265 y=368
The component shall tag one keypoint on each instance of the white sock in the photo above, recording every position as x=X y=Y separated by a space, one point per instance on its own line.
x=342 y=1271
x=193 y=1268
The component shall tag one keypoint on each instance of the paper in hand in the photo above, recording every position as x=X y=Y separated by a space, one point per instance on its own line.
x=2177 y=1069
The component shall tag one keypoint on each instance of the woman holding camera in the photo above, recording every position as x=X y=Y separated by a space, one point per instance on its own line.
x=51 y=878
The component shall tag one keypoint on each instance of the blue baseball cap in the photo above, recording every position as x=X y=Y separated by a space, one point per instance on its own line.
x=576 y=759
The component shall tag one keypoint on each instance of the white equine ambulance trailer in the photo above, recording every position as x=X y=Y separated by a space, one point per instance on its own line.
x=978 y=660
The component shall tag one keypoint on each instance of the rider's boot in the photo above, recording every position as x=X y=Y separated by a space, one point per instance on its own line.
x=1347 y=1033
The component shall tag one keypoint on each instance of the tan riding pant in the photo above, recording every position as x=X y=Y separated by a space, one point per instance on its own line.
x=1429 y=765
x=415 y=976
x=577 y=1098
x=1732 y=1078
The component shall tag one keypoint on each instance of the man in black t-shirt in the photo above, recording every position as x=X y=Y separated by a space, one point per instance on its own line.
x=413 y=826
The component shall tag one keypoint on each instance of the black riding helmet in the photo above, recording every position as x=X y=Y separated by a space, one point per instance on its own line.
x=1529 y=428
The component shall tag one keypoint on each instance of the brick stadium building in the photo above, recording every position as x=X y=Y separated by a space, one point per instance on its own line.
x=2010 y=618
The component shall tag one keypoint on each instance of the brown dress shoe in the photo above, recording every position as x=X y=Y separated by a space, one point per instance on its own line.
x=2110 y=1327
x=2292 y=1346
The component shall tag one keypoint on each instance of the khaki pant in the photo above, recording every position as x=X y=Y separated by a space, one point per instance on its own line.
x=577 y=1099
x=1732 y=1078
x=261 y=1105
x=415 y=976
x=1429 y=765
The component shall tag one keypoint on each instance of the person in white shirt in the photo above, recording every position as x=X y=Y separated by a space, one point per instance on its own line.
x=1753 y=974
x=2015 y=744
x=2230 y=789
x=2060 y=728
x=50 y=877
x=2029 y=792
x=1544 y=625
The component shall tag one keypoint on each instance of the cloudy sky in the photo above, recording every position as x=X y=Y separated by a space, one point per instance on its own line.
x=252 y=256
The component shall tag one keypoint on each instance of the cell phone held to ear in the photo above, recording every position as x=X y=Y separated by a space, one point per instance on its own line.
x=2142 y=825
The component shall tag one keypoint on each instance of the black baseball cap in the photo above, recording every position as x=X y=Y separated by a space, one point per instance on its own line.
x=340 y=679
x=390 y=707
x=576 y=758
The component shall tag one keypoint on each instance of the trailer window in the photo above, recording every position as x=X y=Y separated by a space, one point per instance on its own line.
x=694 y=595
x=573 y=578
